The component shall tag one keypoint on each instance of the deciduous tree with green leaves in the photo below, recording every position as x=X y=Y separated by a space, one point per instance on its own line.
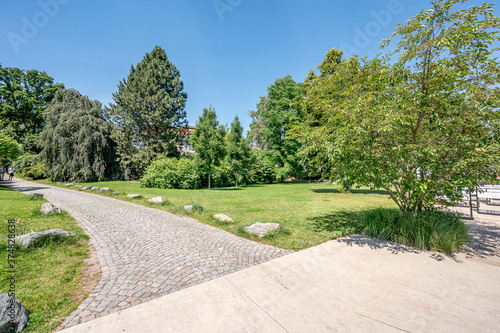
x=24 y=95
x=149 y=112
x=9 y=148
x=76 y=143
x=208 y=142
x=421 y=127
x=271 y=119
x=238 y=151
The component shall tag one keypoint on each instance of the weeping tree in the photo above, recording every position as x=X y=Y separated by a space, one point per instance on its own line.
x=149 y=113
x=75 y=143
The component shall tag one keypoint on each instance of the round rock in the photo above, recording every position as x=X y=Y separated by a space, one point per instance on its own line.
x=48 y=208
x=223 y=218
x=261 y=229
x=156 y=200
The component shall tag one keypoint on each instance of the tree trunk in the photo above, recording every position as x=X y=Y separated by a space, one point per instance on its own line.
x=236 y=181
x=209 y=181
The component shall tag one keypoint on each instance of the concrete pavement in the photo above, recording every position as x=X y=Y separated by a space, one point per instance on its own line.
x=354 y=284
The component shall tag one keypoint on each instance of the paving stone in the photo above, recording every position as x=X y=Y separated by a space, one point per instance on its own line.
x=164 y=253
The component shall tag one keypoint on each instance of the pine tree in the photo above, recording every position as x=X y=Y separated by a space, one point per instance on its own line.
x=76 y=144
x=149 y=112
x=238 y=150
x=208 y=141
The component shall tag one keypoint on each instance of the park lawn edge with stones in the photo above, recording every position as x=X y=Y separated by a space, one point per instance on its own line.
x=49 y=272
x=305 y=212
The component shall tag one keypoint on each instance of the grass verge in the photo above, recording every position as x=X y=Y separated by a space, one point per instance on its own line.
x=47 y=274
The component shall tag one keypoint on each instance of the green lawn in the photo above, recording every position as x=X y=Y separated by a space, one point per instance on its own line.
x=309 y=213
x=47 y=273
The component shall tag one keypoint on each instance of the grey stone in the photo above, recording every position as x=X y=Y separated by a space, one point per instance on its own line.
x=78 y=186
x=188 y=208
x=69 y=184
x=94 y=189
x=134 y=196
x=48 y=208
x=223 y=218
x=157 y=200
x=13 y=315
x=27 y=239
x=88 y=187
x=59 y=183
x=261 y=229
x=104 y=189
x=114 y=193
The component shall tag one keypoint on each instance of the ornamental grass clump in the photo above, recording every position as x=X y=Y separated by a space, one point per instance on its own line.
x=427 y=230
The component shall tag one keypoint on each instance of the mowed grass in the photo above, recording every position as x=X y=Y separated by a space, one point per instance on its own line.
x=47 y=273
x=309 y=214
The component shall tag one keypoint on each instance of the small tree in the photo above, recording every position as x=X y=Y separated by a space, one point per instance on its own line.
x=75 y=144
x=208 y=141
x=422 y=127
x=149 y=113
x=238 y=150
x=9 y=148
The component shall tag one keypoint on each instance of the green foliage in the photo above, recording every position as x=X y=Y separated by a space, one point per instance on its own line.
x=76 y=143
x=427 y=230
x=25 y=161
x=238 y=152
x=262 y=168
x=35 y=172
x=24 y=95
x=9 y=148
x=172 y=173
x=149 y=113
x=421 y=127
x=197 y=208
x=208 y=142
x=271 y=120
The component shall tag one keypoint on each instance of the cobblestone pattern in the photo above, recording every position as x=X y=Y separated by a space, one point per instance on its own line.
x=146 y=253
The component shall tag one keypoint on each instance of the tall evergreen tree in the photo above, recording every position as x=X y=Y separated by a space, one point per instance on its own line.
x=238 y=150
x=75 y=143
x=149 y=112
x=208 y=141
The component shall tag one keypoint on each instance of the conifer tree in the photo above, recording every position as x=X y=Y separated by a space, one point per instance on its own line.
x=76 y=144
x=149 y=112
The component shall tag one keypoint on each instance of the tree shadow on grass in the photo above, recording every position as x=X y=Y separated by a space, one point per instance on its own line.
x=353 y=191
x=338 y=221
x=226 y=189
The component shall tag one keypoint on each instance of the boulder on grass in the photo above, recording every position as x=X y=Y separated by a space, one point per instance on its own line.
x=28 y=239
x=48 y=208
x=94 y=189
x=261 y=229
x=188 y=208
x=78 y=186
x=134 y=196
x=156 y=200
x=223 y=218
x=59 y=183
x=104 y=189
x=88 y=187
x=69 y=184
x=13 y=315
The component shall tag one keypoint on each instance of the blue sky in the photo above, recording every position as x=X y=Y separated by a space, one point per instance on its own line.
x=228 y=51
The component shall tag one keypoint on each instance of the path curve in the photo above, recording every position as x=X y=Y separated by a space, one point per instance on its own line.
x=144 y=252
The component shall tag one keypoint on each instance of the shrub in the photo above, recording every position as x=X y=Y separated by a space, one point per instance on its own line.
x=35 y=172
x=427 y=230
x=172 y=173
x=262 y=170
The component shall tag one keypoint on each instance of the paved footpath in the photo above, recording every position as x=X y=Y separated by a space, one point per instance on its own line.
x=146 y=253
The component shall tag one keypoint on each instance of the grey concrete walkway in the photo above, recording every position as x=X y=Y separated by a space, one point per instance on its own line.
x=353 y=284
x=146 y=253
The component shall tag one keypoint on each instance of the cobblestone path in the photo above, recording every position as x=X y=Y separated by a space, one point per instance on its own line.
x=146 y=253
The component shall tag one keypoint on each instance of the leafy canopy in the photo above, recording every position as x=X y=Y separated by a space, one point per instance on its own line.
x=422 y=127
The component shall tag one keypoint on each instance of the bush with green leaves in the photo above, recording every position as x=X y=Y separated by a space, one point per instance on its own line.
x=172 y=173
x=35 y=172
x=262 y=170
